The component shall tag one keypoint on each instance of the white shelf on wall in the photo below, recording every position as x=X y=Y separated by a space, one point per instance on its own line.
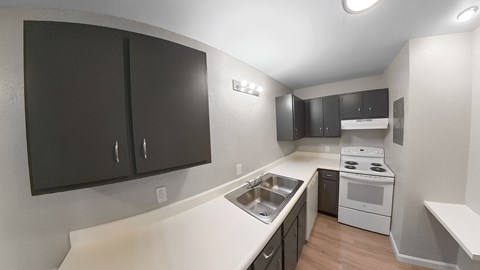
x=461 y=222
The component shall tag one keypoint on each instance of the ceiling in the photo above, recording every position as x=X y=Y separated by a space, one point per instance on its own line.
x=298 y=42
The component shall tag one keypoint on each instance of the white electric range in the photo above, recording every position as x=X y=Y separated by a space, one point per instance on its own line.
x=366 y=189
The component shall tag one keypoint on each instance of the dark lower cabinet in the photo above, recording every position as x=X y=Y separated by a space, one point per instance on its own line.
x=290 y=238
x=169 y=104
x=75 y=105
x=290 y=247
x=328 y=192
x=302 y=229
x=277 y=261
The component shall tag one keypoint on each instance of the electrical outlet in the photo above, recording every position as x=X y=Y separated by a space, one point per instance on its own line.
x=239 y=169
x=327 y=148
x=161 y=194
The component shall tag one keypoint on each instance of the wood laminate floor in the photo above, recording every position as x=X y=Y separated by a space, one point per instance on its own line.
x=335 y=246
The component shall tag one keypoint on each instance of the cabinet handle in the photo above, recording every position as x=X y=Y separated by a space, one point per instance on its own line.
x=269 y=255
x=369 y=109
x=144 y=148
x=320 y=129
x=296 y=233
x=117 y=158
x=326 y=129
x=324 y=186
x=358 y=109
x=329 y=175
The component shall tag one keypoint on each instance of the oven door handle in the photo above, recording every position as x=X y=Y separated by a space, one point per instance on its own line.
x=367 y=179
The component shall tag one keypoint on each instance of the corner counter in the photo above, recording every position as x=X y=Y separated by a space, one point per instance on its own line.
x=202 y=232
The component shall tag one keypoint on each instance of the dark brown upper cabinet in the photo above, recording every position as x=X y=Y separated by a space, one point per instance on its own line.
x=290 y=113
x=169 y=105
x=90 y=102
x=322 y=117
x=368 y=104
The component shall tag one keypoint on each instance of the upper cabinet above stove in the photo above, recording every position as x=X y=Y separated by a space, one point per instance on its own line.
x=361 y=105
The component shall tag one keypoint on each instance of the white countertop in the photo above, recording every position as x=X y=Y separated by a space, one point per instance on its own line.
x=461 y=222
x=204 y=232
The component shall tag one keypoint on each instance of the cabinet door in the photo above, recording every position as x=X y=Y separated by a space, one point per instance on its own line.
x=351 y=106
x=276 y=263
x=290 y=250
x=169 y=105
x=75 y=105
x=298 y=118
x=375 y=104
x=314 y=117
x=302 y=229
x=331 y=120
x=328 y=196
x=284 y=114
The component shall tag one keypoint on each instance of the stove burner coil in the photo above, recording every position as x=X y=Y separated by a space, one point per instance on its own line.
x=351 y=162
x=350 y=167
x=378 y=169
x=376 y=164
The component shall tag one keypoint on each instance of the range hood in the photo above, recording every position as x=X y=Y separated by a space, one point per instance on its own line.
x=375 y=123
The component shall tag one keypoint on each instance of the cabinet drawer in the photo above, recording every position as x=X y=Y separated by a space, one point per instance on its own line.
x=331 y=175
x=266 y=254
x=276 y=263
x=294 y=213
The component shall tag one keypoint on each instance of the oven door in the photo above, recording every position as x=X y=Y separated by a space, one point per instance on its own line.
x=366 y=193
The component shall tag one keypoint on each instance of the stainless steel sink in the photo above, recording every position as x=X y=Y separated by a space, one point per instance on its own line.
x=267 y=199
x=279 y=184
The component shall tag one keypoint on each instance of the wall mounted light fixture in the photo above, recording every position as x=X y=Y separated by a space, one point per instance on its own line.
x=247 y=88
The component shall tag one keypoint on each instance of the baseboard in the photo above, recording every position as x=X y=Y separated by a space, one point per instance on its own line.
x=420 y=261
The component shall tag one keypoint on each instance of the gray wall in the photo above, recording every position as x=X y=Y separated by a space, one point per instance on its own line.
x=349 y=137
x=436 y=141
x=34 y=230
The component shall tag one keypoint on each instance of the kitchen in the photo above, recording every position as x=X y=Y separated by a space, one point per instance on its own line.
x=436 y=76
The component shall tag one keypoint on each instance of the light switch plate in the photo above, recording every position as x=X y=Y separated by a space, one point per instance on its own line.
x=161 y=194
x=239 y=169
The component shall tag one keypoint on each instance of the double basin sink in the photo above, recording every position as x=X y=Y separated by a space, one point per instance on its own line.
x=265 y=197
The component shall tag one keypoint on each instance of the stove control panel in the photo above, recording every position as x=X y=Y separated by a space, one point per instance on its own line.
x=362 y=151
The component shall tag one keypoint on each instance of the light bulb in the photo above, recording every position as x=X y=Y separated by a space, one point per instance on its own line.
x=251 y=86
x=243 y=83
x=259 y=89
x=467 y=14
x=358 y=6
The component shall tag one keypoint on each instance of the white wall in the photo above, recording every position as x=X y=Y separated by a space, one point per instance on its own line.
x=473 y=183
x=348 y=137
x=436 y=143
x=397 y=77
x=472 y=196
x=34 y=230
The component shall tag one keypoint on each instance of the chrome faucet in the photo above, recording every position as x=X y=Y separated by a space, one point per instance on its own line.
x=255 y=181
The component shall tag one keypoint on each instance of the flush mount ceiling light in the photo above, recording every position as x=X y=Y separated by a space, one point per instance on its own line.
x=467 y=14
x=358 y=6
